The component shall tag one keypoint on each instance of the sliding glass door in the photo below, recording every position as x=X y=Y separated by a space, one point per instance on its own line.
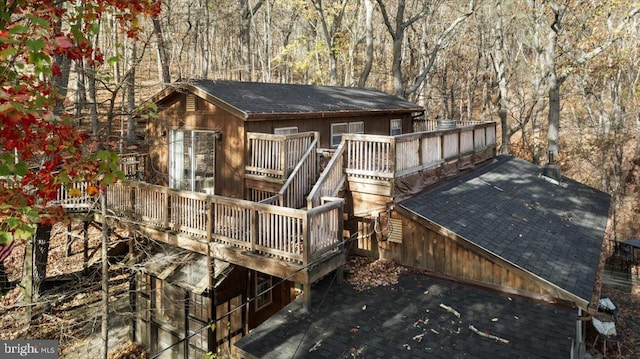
x=192 y=160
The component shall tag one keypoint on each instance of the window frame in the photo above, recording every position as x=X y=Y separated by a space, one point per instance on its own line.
x=395 y=124
x=291 y=130
x=262 y=283
x=349 y=127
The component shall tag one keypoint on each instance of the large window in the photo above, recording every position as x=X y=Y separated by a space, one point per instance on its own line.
x=338 y=129
x=192 y=160
x=161 y=310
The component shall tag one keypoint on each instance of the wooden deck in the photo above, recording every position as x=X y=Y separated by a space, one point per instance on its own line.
x=293 y=225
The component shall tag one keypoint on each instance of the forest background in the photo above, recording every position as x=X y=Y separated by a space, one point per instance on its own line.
x=561 y=77
x=536 y=67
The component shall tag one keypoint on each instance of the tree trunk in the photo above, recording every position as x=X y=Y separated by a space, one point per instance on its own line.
x=245 y=41
x=81 y=92
x=34 y=271
x=368 y=61
x=553 y=85
x=105 y=277
x=499 y=68
x=163 y=59
x=60 y=84
x=93 y=99
x=131 y=94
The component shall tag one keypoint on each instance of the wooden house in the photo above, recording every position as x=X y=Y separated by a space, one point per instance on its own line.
x=267 y=186
x=209 y=135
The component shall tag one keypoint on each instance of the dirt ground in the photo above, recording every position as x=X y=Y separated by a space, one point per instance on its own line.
x=71 y=302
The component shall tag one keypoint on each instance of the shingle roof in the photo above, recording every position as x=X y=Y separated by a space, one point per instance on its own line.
x=508 y=209
x=406 y=321
x=271 y=98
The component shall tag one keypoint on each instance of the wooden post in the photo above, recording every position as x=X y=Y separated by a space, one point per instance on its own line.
x=85 y=246
x=254 y=229
x=340 y=270
x=306 y=256
x=283 y=158
x=393 y=155
x=105 y=277
x=69 y=240
x=306 y=292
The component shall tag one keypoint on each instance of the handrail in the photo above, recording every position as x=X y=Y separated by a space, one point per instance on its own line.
x=331 y=179
x=290 y=234
x=384 y=158
x=301 y=178
x=133 y=165
x=275 y=156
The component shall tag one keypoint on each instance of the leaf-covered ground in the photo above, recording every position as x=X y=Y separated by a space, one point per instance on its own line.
x=71 y=305
x=71 y=302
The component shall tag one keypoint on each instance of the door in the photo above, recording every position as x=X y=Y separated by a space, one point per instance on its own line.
x=192 y=160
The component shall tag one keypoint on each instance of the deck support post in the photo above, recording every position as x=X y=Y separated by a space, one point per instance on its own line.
x=85 y=246
x=306 y=292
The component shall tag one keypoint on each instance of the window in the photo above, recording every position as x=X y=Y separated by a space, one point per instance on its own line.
x=263 y=292
x=356 y=127
x=285 y=130
x=395 y=127
x=192 y=160
x=338 y=129
x=169 y=305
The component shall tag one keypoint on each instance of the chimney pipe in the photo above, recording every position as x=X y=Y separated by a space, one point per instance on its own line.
x=552 y=169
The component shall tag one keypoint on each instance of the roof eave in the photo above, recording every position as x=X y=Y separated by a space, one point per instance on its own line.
x=261 y=116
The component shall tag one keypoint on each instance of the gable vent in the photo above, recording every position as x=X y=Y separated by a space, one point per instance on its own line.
x=191 y=103
x=395 y=230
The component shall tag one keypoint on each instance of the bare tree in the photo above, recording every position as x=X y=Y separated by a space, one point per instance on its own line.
x=368 y=60
x=397 y=31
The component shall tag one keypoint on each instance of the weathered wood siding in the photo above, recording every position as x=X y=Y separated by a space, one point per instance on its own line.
x=426 y=249
x=229 y=149
x=373 y=124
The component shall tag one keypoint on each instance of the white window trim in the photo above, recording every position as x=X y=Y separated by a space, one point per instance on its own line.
x=285 y=130
x=350 y=127
x=395 y=124
x=334 y=133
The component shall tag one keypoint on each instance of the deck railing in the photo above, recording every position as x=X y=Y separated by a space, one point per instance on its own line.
x=331 y=180
x=301 y=179
x=370 y=156
x=289 y=234
x=387 y=157
x=276 y=156
x=80 y=201
x=432 y=125
x=133 y=165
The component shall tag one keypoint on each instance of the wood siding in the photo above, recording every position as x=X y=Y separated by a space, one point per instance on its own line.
x=373 y=124
x=232 y=146
x=427 y=249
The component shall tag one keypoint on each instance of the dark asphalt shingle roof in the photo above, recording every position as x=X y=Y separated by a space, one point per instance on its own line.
x=383 y=322
x=270 y=98
x=508 y=209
